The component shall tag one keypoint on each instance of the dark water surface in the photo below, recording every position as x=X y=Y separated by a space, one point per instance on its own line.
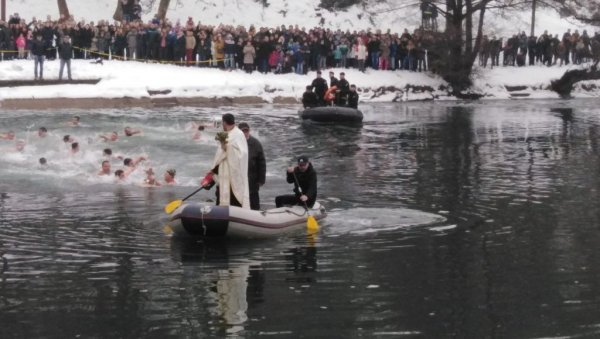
x=463 y=220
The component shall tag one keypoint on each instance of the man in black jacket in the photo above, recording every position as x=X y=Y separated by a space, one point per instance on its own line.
x=352 y=97
x=320 y=87
x=309 y=98
x=38 y=51
x=304 y=178
x=65 y=52
x=257 y=166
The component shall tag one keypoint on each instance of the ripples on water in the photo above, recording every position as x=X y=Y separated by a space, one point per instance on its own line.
x=446 y=219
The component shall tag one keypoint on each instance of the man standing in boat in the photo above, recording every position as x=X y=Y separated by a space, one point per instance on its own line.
x=319 y=85
x=257 y=166
x=304 y=178
x=230 y=165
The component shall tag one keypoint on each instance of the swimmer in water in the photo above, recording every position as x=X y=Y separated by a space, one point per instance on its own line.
x=150 y=178
x=42 y=132
x=107 y=153
x=105 y=169
x=10 y=135
x=169 y=177
x=197 y=134
x=74 y=148
x=43 y=163
x=128 y=131
x=68 y=139
x=74 y=121
x=120 y=174
x=20 y=145
x=114 y=136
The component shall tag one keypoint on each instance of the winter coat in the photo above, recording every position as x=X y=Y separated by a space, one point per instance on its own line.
x=249 y=54
x=65 y=51
x=360 y=52
x=37 y=47
x=307 y=181
x=190 y=42
x=257 y=166
x=21 y=42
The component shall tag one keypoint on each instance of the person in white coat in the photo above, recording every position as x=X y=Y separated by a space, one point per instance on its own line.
x=230 y=166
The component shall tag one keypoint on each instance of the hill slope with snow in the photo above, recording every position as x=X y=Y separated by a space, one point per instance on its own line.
x=391 y=14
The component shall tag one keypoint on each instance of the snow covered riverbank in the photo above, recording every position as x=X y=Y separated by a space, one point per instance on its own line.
x=145 y=83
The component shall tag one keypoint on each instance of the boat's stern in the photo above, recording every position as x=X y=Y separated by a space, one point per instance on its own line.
x=200 y=220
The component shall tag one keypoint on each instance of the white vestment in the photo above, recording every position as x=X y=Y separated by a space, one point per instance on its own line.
x=233 y=169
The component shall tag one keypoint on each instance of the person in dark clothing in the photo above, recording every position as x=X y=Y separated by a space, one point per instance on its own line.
x=352 y=97
x=304 y=178
x=65 y=53
x=344 y=89
x=320 y=87
x=309 y=98
x=38 y=51
x=333 y=81
x=257 y=166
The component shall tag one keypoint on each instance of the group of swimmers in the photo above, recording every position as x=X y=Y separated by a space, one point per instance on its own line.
x=130 y=164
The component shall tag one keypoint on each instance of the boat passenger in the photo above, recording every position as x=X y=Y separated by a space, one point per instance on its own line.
x=309 y=98
x=320 y=86
x=304 y=178
x=231 y=166
x=352 y=97
x=257 y=166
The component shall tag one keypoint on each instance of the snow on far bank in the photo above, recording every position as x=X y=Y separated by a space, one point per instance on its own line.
x=393 y=15
x=134 y=79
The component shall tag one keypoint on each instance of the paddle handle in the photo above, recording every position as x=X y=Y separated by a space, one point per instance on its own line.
x=196 y=191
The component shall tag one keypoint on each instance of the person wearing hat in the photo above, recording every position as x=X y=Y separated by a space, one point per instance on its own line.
x=320 y=87
x=230 y=166
x=309 y=98
x=304 y=178
x=257 y=166
x=65 y=53
x=333 y=81
x=344 y=89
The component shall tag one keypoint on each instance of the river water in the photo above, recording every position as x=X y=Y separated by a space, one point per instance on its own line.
x=457 y=219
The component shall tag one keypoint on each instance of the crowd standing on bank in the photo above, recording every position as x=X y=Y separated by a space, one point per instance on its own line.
x=282 y=49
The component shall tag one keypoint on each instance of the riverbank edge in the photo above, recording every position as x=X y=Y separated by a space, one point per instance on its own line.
x=144 y=102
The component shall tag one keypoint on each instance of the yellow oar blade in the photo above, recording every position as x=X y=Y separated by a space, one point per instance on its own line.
x=311 y=224
x=170 y=207
x=168 y=229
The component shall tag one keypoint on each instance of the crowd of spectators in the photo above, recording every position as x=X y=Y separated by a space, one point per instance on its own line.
x=275 y=49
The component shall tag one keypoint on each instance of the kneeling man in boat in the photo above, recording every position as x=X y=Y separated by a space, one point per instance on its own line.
x=304 y=178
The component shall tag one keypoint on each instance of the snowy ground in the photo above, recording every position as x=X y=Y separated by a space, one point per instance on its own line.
x=134 y=79
x=391 y=14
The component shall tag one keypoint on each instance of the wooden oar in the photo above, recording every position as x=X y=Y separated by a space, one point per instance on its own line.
x=311 y=223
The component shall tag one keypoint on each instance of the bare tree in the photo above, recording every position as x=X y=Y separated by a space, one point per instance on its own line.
x=118 y=16
x=163 y=7
x=63 y=9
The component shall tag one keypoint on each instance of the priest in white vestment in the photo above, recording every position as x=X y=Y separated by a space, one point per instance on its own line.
x=231 y=166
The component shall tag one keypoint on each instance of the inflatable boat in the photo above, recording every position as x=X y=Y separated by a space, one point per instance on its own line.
x=332 y=114
x=209 y=221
